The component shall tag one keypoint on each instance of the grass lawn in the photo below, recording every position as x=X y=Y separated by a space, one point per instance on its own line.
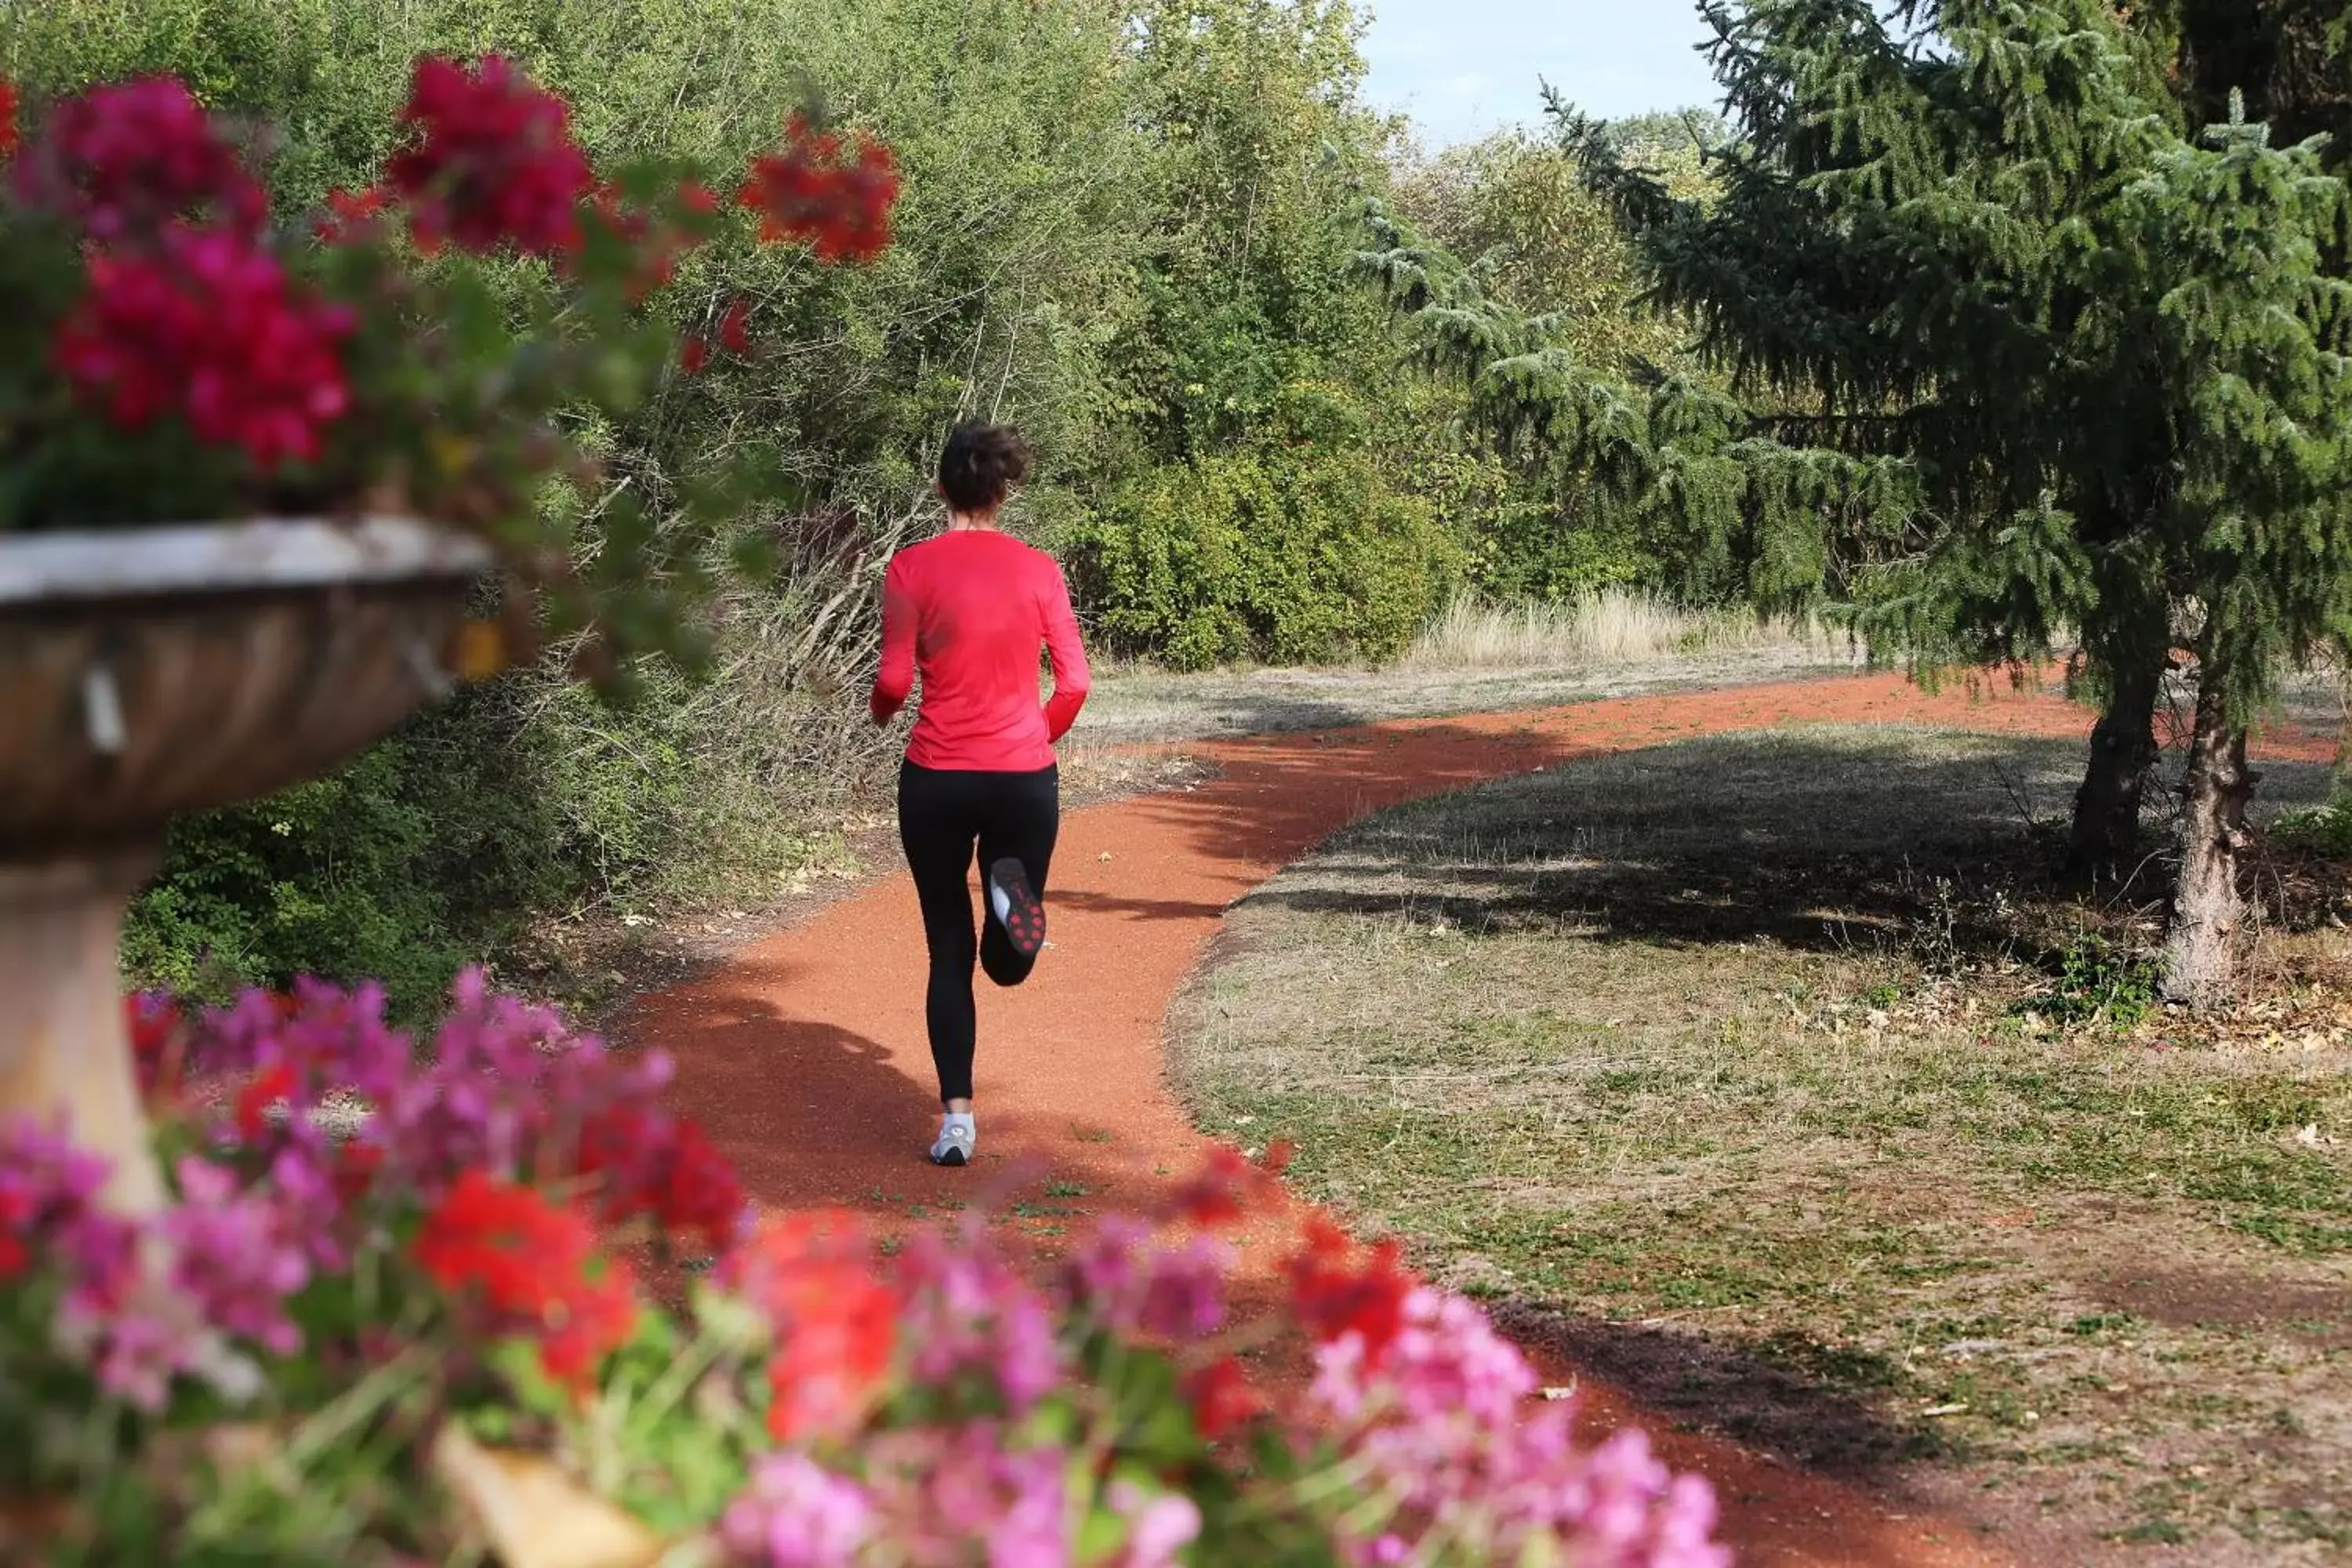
x=1774 y=1078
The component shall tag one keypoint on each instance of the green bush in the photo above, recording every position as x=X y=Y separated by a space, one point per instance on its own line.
x=336 y=877
x=519 y=800
x=1126 y=227
x=1516 y=544
x=2099 y=985
x=1289 y=554
x=2321 y=830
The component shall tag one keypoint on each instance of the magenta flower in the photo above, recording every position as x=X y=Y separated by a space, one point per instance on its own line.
x=234 y=1257
x=948 y=1498
x=1126 y=1280
x=1160 y=1525
x=796 y=1514
x=970 y=1313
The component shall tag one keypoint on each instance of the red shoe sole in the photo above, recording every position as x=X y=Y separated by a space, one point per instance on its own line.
x=1024 y=918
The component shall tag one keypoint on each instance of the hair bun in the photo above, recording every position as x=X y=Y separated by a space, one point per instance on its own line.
x=980 y=463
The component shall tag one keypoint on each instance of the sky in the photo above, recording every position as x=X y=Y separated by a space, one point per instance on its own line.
x=1464 y=68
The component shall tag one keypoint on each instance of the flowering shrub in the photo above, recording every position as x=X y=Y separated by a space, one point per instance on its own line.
x=446 y=343
x=281 y=1364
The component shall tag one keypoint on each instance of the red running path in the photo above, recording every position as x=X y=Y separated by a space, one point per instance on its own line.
x=805 y=1055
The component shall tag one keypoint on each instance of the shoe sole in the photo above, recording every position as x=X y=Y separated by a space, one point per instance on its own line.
x=1023 y=916
x=953 y=1160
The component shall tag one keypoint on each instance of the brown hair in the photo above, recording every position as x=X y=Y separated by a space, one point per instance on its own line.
x=981 y=462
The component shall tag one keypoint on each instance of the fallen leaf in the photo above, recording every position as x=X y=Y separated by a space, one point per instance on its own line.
x=481 y=650
x=534 y=1515
x=240 y=1444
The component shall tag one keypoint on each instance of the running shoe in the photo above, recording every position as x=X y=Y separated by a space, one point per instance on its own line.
x=956 y=1142
x=1017 y=907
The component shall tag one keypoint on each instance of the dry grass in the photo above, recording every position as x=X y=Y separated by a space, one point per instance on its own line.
x=1501 y=662
x=1726 y=1066
x=1612 y=626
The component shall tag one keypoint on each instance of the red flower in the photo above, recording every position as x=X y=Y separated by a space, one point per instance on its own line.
x=735 y=328
x=265 y=1089
x=1221 y=1398
x=13 y=1255
x=1223 y=1191
x=128 y=159
x=812 y=191
x=1335 y=1295
x=350 y=213
x=533 y=1265
x=836 y=1324
x=666 y=1168
x=694 y=356
x=489 y=160
x=653 y=239
x=8 y=119
x=156 y=1043
x=697 y=198
x=356 y=1168
x=701 y=1193
x=209 y=328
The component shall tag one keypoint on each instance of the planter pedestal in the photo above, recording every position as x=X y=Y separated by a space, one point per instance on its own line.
x=64 y=1043
x=152 y=672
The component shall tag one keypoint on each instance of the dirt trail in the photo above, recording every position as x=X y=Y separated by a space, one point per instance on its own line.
x=805 y=1058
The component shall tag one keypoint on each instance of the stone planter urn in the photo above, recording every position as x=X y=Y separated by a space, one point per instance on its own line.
x=148 y=672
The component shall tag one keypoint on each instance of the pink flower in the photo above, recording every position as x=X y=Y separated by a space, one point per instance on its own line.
x=126 y=160
x=969 y=1312
x=209 y=329
x=947 y=1498
x=796 y=1514
x=114 y=1315
x=489 y=161
x=232 y=1257
x=1437 y=1420
x=1160 y=1525
x=1122 y=1277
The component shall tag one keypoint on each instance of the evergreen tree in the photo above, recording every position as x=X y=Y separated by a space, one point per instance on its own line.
x=1976 y=234
x=2254 y=332
x=2009 y=354
x=2287 y=57
x=1915 y=237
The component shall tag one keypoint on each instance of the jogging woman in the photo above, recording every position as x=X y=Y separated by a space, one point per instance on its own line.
x=968 y=610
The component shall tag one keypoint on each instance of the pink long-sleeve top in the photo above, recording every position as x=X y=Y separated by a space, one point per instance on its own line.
x=970 y=609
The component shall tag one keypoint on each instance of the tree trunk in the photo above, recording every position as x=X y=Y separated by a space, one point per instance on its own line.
x=2123 y=749
x=2200 y=944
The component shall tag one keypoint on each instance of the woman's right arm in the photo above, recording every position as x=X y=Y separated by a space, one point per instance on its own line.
x=896 y=679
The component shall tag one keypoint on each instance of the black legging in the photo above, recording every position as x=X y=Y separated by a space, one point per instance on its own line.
x=941 y=816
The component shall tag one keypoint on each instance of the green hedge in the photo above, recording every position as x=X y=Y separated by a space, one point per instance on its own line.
x=1287 y=555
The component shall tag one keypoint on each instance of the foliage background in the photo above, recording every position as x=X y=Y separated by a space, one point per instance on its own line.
x=1128 y=225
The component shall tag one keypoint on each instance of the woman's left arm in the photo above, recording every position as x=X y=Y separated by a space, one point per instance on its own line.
x=1072 y=680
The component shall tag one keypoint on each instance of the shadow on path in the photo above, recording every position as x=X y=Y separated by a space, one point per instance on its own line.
x=805 y=1057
